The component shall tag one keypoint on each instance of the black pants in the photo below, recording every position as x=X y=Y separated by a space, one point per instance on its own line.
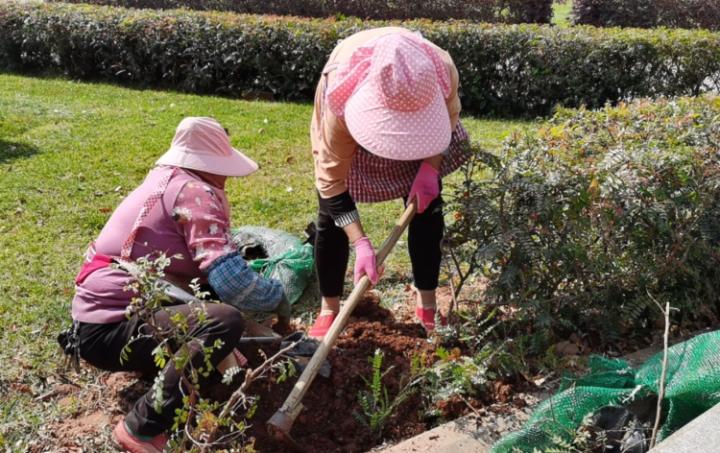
x=425 y=233
x=101 y=344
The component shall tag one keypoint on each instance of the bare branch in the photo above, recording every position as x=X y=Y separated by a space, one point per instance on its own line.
x=253 y=375
x=663 y=373
x=238 y=397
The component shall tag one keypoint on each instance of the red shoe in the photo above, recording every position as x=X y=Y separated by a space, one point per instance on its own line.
x=322 y=325
x=134 y=444
x=427 y=318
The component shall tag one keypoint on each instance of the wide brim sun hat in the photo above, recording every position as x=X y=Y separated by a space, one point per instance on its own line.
x=392 y=94
x=202 y=144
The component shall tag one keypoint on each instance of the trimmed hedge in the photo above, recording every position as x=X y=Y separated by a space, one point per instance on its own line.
x=505 y=70
x=505 y=11
x=581 y=224
x=648 y=13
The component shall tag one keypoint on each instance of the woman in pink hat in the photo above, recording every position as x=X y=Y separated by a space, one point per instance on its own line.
x=180 y=209
x=385 y=126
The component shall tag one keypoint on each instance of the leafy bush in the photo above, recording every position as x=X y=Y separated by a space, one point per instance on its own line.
x=648 y=13
x=580 y=225
x=511 y=70
x=508 y=11
x=457 y=374
x=621 y=13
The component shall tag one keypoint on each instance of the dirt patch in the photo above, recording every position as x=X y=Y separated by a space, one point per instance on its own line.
x=75 y=431
x=470 y=297
x=327 y=424
x=89 y=412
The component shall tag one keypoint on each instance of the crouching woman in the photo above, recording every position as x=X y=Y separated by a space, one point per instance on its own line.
x=180 y=209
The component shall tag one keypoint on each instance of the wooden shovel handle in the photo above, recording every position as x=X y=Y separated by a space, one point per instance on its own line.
x=397 y=231
x=290 y=406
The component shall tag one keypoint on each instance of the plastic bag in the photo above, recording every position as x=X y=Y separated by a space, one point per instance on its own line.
x=279 y=255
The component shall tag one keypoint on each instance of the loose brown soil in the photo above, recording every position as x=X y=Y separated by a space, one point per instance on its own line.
x=88 y=413
x=327 y=424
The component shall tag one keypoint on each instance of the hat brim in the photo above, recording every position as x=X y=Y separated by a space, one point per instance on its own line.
x=236 y=164
x=394 y=134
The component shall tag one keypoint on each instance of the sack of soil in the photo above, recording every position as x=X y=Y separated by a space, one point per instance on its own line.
x=277 y=254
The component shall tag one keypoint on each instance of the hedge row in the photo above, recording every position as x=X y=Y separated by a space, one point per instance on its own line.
x=505 y=11
x=648 y=13
x=583 y=223
x=505 y=70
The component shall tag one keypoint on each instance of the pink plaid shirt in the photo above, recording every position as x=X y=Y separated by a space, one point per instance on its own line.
x=373 y=178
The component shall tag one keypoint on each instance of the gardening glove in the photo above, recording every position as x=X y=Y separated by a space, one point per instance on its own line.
x=365 y=261
x=426 y=187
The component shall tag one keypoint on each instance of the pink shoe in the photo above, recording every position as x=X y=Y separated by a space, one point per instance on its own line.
x=427 y=318
x=133 y=444
x=322 y=325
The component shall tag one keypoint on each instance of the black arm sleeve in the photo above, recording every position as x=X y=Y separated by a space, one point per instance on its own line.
x=340 y=206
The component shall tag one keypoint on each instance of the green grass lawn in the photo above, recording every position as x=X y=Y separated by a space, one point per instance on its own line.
x=69 y=152
x=561 y=13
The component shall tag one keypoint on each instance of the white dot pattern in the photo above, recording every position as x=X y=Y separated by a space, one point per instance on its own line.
x=392 y=94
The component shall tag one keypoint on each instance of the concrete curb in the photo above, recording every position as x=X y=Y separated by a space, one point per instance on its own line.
x=460 y=435
x=699 y=436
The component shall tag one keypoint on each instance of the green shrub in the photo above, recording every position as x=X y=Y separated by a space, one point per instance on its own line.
x=615 y=13
x=648 y=13
x=510 y=70
x=581 y=224
x=507 y=11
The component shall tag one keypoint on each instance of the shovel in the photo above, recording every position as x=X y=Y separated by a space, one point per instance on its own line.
x=281 y=422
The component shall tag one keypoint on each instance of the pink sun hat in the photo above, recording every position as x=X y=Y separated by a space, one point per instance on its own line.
x=202 y=144
x=392 y=95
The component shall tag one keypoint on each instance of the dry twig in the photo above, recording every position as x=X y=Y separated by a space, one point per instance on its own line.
x=238 y=396
x=467 y=403
x=663 y=373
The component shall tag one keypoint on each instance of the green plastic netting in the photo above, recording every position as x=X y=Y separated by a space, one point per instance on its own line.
x=692 y=387
x=279 y=255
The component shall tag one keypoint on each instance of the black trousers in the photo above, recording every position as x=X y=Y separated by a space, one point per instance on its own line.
x=425 y=233
x=101 y=344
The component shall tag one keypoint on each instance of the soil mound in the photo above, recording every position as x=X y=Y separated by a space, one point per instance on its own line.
x=328 y=422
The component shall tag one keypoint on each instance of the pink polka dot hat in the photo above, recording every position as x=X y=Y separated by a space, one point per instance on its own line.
x=392 y=95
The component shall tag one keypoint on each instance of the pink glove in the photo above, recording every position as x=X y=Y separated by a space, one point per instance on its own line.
x=365 y=261
x=426 y=187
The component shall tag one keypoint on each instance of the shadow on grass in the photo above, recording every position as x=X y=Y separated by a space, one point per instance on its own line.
x=10 y=151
